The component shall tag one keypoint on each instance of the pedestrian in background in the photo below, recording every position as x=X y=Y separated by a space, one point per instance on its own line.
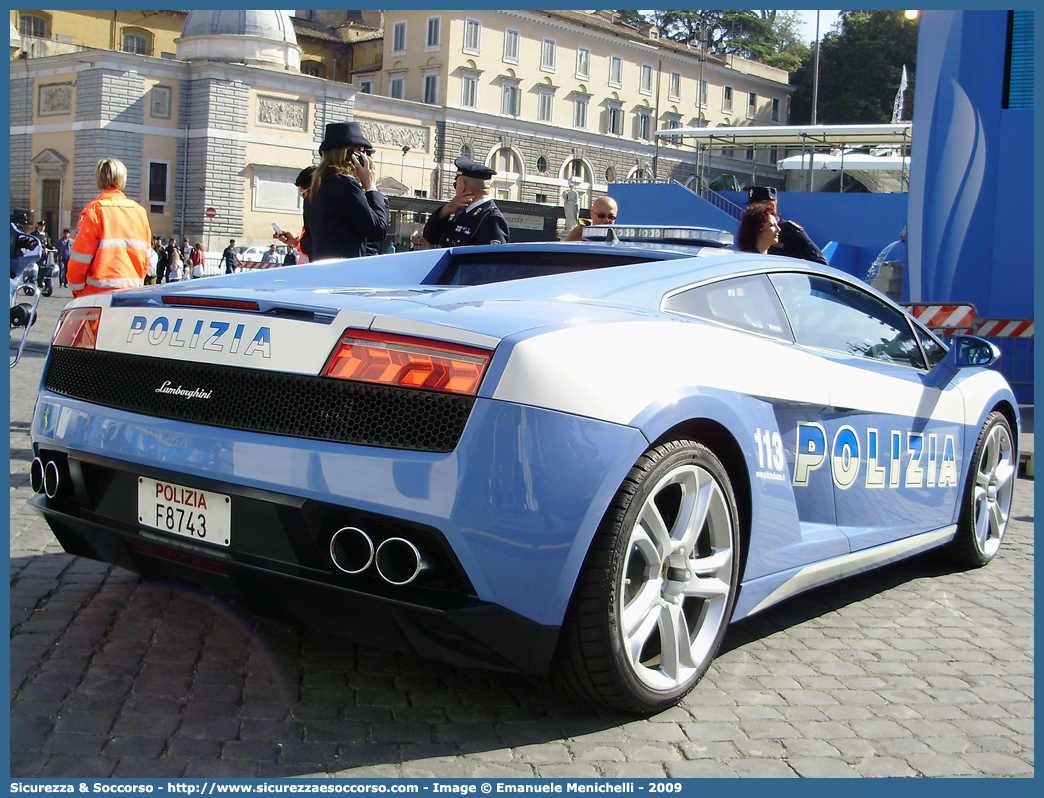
x=270 y=258
x=198 y=260
x=230 y=257
x=64 y=247
x=111 y=247
x=793 y=240
x=343 y=209
x=603 y=211
x=293 y=243
x=758 y=228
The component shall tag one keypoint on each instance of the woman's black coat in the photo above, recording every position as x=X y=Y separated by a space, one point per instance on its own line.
x=342 y=218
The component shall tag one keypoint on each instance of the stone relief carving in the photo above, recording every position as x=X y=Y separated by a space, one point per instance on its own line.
x=160 y=108
x=286 y=114
x=55 y=99
x=389 y=134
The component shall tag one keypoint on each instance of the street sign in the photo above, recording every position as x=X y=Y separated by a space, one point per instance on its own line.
x=211 y=213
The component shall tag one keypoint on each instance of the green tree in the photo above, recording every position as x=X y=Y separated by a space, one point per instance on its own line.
x=791 y=52
x=860 y=66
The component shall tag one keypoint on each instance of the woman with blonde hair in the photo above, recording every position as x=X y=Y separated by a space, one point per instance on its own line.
x=110 y=250
x=343 y=209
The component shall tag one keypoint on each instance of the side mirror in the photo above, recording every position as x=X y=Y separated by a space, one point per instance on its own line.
x=970 y=350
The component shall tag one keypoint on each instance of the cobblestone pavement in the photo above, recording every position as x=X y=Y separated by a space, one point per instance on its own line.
x=914 y=669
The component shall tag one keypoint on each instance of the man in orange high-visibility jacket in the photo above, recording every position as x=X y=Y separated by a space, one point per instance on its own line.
x=111 y=247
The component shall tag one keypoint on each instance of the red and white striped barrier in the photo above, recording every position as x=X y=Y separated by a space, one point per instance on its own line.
x=1004 y=328
x=950 y=319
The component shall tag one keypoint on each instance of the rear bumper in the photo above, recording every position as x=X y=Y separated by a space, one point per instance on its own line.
x=436 y=624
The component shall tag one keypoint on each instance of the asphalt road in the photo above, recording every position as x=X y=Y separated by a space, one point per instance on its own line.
x=910 y=670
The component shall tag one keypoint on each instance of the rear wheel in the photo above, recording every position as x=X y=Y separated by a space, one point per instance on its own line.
x=658 y=587
x=987 y=496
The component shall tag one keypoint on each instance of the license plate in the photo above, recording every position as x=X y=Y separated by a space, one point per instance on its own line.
x=198 y=514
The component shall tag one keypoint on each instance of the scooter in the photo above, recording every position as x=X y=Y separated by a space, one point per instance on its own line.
x=41 y=273
x=25 y=253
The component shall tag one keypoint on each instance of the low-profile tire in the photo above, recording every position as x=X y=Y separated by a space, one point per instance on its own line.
x=986 y=505
x=656 y=592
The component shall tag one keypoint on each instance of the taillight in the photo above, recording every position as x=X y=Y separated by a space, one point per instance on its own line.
x=407 y=362
x=77 y=328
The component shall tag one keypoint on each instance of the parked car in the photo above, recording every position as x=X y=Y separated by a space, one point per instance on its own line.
x=251 y=256
x=572 y=460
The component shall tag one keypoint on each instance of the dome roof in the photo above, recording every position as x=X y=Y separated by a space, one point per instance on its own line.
x=255 y=38
x=274 y=25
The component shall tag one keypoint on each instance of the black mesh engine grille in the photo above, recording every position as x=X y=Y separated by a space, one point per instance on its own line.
x=262 y=401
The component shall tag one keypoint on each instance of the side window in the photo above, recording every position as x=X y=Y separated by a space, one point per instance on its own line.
x=745 y=302
x=829 y=314
x=933 y=350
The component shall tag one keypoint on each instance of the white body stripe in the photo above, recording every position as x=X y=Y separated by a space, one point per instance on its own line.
x=116 y=282
x=123 y=243
x=80 y=257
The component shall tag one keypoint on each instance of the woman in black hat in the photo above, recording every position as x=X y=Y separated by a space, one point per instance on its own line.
x=343 y=210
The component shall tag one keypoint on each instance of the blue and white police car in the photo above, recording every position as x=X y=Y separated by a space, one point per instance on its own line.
x=580 y=460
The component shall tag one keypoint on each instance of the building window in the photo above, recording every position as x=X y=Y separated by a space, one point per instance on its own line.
x=32 y=25
x=465 y=150
x=546 y=106
x=673 y=123
x=431 y=89
x=434 y=32
x=397 y=88
x=701 y=95
x=509 y=99
x=506 y=161
x=399 y=37
x=541 y=164
x=646 y=85
x=135 y=43
x=314 y=68
x=472 y=35
x=644 y=126
x=580 y=112
x=773 y=155
x=749 y=154
x=726 y=99
x=752 y=104
x=541 y=198
x=469 y=91
x=548 y=55
x=158 y=182
x=615 y=71
x=674 y=87
x=366 y=86
x=614 y=120
x=583 y=63
x=775 y=109
x=511 y=38
x=578 y=170
x=610 y=174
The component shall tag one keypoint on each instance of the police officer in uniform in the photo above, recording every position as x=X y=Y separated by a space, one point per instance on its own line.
x=471 y=217
x=793 y=240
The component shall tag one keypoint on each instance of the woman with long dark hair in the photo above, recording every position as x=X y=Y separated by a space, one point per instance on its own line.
x=343 y=209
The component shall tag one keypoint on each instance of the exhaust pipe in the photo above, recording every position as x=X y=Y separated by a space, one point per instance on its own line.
x=36 y=475
x=351 y=550
x=51 y=479
x=399 y=562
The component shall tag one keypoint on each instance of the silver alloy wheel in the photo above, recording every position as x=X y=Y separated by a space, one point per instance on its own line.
x=677 y=578
x=994 y=482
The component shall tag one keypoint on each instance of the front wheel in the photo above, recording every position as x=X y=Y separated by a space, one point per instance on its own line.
x=656 y=592
x=47 y=289
x=986 y=505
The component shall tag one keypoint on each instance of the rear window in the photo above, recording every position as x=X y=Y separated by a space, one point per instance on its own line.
x=492 y=267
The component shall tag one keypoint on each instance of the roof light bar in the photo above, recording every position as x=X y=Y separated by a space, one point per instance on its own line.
x=707 y=236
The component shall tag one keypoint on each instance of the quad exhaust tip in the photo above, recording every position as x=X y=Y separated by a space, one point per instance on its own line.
x=51 y=479
x=351 y=550
x=399 y=562
x=36 y=475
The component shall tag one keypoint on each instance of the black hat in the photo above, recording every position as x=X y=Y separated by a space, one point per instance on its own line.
x=468 y=167
x=761 y=194
x=344 y=134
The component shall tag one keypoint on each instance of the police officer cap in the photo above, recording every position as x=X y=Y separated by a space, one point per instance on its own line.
x=761 y=194
x=468 y=167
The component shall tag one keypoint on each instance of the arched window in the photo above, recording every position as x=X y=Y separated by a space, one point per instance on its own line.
x=135 y=43
x=541 y=164
x=465 y=150
x=579 y=170
x=506 y=161
x=32 y=25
